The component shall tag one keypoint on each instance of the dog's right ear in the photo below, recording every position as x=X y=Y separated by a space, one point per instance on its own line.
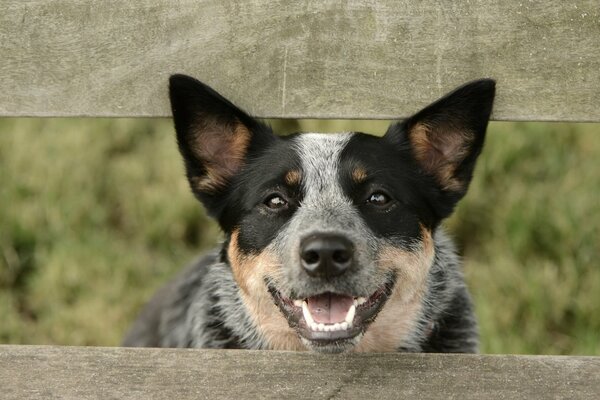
x=214 y=136
x=445 y=139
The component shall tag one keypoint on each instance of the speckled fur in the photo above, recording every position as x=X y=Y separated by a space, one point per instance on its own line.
x=202 y=307
x=270 y=195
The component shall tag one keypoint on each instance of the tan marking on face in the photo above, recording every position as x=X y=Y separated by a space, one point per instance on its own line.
x=399 y=315
x=249 y=272
x=359 y=174
x=440 y=153
x=292 y=178
x=222 y=151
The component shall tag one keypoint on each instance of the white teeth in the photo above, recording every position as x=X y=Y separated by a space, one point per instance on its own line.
x=307 y=317
x=350 y=314
x=321 y=327
x=298 y=303
x=359 y=301
x=329 y=327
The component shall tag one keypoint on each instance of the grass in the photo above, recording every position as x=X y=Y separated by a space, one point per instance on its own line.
x=95 y=215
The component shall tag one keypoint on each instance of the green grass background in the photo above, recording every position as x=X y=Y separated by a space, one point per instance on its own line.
x=95 y=215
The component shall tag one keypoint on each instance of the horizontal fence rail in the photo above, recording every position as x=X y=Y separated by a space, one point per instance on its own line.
x=47 y=372
x=353 y=59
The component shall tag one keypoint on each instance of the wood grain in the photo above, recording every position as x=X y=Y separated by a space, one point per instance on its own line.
x=45 y=372
x=351 y=59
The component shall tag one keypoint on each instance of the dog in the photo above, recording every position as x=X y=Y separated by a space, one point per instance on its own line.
x=332 y=241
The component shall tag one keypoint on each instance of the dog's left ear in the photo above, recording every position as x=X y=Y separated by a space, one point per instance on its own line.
x=215 y=138
x=446 y=137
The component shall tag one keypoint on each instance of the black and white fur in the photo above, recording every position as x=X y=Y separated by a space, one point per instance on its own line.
x=386 y=197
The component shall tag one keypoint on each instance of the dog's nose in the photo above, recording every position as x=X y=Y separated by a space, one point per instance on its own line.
x=326 y=255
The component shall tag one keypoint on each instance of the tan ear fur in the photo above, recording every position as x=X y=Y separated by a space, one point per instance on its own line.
x=440 y=152
x=222 y=150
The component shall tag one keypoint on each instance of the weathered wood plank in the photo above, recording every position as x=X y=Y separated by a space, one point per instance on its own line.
x=350 y=59
x=47 y=372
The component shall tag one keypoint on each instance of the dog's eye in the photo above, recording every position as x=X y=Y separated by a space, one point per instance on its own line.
x=275 y=202
x=378 y=199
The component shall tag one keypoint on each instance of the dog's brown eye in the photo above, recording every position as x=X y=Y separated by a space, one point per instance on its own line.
x=275 y=202
x=378 y=199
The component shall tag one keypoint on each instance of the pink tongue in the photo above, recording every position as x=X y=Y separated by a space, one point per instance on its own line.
x=329 y=308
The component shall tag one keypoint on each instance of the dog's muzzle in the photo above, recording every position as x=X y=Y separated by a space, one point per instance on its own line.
x=331 y=318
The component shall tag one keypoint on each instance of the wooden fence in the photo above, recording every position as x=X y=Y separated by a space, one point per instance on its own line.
x=43 y=372
x=314 y=59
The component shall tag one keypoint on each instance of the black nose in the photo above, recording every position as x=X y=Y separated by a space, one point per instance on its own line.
x=326 y=255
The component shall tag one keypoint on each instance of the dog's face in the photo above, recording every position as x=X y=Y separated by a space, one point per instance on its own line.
x=330 y=235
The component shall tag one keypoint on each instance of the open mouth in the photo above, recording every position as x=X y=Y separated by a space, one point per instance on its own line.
x=332 y=317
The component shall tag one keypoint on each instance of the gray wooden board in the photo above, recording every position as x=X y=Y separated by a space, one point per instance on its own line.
x=46 y=372
x=276 y=58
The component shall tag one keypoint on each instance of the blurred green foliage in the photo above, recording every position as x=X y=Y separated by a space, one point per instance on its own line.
x=95 y=215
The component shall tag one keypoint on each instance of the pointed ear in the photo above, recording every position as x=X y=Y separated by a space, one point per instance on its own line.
x=446 y=137
x=214 y=136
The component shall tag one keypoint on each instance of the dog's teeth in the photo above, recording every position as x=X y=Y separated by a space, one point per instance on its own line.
x=350 y=314
x=307 y=317
x=359 y=301
x=321 y=327
x=298 y=303
x=329 y=327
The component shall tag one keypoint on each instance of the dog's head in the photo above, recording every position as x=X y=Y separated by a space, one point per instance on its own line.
x=330 y=236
